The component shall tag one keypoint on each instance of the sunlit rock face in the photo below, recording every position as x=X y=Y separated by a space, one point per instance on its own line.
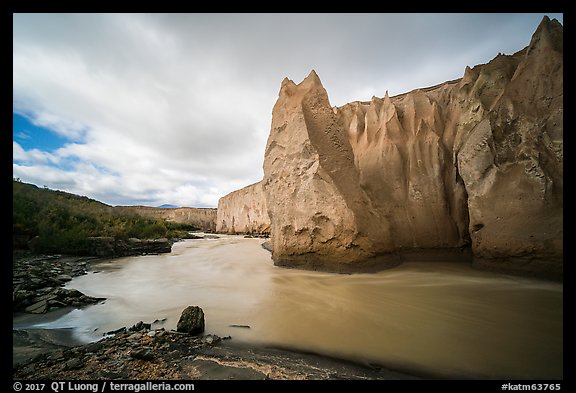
x=319 y=213
x=473 y=162
x=243 y=211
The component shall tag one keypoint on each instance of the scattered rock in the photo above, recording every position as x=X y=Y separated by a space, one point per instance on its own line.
x=159 y=321
x=135 y=337
x=211 y=339
x=94 y=347
x=38 y=308
x=192 y=236
x=113 y=332
x=74 y=293
x=143 y=354
x=63 y=277
x=110 y=247
x=74 y=364
x=57 y=355
x=191 y=321
x=171 y=355
x=267 y=246
x=240 y=326
x=140 y=326
x=109 y=375
x=38 y=279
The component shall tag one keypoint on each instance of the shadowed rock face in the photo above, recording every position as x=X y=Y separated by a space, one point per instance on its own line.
x=403 y=154
x=511 y=161
x=472 y=162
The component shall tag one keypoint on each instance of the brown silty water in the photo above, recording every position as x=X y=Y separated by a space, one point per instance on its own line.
x=442 y=318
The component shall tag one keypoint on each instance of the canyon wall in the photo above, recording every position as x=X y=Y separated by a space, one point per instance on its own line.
x=512 y=160
x=202 y=218
x=476 y=162
x=243 y=211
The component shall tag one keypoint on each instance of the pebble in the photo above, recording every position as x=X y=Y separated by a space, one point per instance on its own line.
x=134 y=337
x=74 y=364
x=144 y=353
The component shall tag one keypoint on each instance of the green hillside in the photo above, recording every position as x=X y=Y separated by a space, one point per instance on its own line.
x=48 y=221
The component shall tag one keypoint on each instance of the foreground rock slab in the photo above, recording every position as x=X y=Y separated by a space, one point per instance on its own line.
x=163 y=355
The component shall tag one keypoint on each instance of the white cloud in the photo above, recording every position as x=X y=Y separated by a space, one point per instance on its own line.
x=176 y=108
x=33 y=156
x=22 y=135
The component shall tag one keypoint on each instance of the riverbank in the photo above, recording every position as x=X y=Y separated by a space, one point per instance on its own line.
x=162 y=355
x=403 y=318
x=146 y=352
x=38 y=280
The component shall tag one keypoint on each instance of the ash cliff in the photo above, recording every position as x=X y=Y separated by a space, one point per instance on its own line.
x=243 y=211
x=202 y=218
x=476 y=162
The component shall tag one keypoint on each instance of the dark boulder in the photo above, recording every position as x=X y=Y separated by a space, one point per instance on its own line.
x=191 y=321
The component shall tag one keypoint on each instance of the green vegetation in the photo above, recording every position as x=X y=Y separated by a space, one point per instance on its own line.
x=58 y=222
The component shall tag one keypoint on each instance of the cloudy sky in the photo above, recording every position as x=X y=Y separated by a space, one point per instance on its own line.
x=156 y=109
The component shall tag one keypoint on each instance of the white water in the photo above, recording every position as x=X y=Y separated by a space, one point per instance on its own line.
x=444 y=318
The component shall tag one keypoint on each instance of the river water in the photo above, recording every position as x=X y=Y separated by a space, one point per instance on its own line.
x=433 y=317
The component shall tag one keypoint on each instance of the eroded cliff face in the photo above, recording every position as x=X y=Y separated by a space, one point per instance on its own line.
x=202 y=218
x=512 y=160
x=404 y=157
x=472 y=162
x=244 y=211
x=319 y=213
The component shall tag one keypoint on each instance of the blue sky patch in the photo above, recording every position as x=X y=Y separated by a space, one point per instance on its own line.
x=30 y=136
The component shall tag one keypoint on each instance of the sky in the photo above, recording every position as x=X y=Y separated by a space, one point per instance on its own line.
x=153 y=109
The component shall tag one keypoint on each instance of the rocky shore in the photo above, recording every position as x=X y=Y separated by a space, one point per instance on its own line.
x=163 y=355
x=104 y=246
x=37 y=282
x=145 y=351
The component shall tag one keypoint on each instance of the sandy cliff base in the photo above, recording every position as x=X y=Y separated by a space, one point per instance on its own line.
x=378 y=263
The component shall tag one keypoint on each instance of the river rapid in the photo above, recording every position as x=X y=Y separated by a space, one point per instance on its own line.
x=436 y=318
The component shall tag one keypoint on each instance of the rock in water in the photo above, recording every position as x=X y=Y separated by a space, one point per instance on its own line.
x=191 y=321
x=38 y=308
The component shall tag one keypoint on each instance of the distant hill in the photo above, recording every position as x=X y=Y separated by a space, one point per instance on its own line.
x=168 y=206
x=48 y=221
